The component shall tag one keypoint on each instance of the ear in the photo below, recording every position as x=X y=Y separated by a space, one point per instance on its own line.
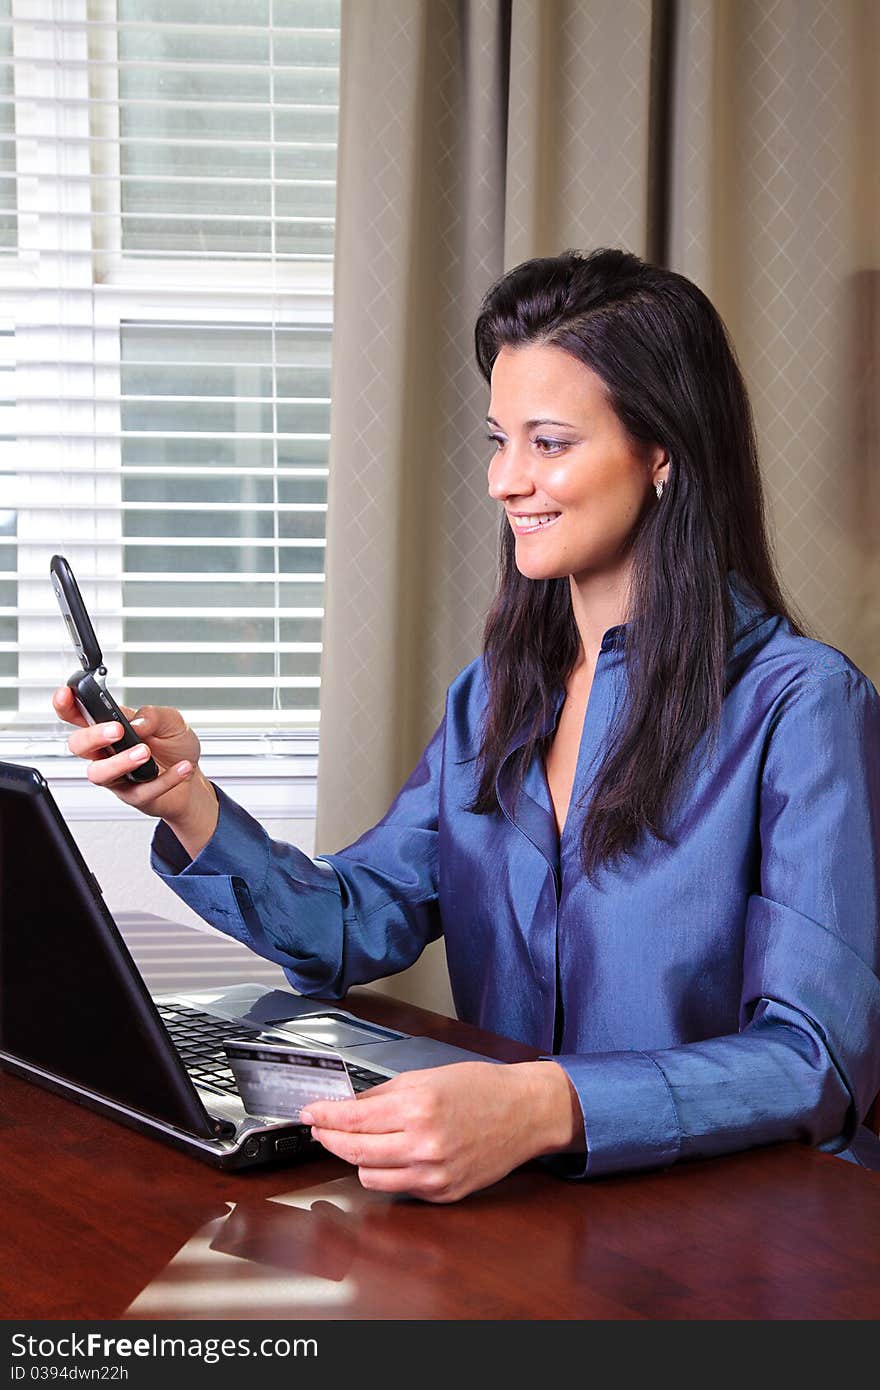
x=660 y=463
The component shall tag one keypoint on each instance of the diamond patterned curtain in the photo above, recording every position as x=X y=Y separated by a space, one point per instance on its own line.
x=735 y=140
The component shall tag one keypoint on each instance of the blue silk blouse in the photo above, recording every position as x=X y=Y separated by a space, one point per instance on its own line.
x=709 y=995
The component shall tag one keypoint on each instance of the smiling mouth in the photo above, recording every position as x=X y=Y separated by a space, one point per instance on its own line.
x=528 y=525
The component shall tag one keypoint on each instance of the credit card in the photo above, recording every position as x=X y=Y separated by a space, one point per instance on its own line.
x=276 y=1080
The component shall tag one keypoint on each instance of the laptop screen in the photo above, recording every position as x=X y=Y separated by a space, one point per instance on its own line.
x=72 y=1001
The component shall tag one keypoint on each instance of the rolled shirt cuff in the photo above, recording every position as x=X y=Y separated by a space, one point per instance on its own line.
x=239 y=845
x=630 y=1120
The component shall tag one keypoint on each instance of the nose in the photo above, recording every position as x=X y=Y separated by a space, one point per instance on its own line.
x=508 y=474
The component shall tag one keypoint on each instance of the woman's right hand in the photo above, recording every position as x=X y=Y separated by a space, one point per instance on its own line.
x=180 y=795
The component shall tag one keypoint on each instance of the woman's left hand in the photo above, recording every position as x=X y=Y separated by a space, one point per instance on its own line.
x=447 y=1131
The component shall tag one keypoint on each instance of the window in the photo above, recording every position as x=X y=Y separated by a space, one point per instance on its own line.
x=8 y=220
x=166 y=247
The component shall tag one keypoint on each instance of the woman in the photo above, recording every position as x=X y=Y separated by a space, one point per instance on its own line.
x=647 y=825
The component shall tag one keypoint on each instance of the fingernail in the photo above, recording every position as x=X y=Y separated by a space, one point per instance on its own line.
x=138 y=754
x=113 y=731
x=306 y=1117
x=183 y=768
x=135 y=722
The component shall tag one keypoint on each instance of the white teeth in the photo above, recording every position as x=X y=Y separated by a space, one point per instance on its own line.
x=524 y=522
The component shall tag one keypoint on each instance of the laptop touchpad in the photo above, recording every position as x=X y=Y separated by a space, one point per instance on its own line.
x=336 y=1030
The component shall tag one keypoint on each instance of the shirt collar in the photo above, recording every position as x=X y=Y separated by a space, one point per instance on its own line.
x=535 y=820
x=748 y=611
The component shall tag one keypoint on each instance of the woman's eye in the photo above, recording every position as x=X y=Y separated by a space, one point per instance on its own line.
x=550 y=447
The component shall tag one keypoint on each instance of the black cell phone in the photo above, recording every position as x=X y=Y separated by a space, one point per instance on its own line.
x=91 y=694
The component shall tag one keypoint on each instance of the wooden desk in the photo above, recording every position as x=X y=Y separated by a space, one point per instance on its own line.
x=101 y=1222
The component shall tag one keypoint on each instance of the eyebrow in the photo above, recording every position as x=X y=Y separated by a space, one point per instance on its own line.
x=531 y=423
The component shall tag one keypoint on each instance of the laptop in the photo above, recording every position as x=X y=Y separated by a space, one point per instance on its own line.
x=77 y=1018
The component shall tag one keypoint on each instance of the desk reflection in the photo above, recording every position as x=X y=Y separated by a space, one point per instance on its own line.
x=336 y=1250
x=709 y=1240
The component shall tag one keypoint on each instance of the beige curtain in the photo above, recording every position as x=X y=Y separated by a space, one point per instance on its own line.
x=734 y=140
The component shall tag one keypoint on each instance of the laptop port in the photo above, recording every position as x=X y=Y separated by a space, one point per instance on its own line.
x=290 y=1144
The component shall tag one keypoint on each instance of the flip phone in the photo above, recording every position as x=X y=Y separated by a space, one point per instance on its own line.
x=92 y=696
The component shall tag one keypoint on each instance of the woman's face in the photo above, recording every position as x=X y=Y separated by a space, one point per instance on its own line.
x=573 y=484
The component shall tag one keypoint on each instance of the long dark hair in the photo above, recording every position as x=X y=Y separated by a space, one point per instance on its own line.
x=672 y=378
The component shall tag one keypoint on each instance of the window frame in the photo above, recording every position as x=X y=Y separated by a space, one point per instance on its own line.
x=116 y=289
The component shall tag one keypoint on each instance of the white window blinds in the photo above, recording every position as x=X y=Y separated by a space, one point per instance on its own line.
x=7 y=136
x=167 y=193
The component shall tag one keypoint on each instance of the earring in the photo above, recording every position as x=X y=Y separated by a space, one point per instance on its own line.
x=658 y=488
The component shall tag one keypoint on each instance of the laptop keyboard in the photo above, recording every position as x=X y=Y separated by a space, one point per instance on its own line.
x=199 y=1038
